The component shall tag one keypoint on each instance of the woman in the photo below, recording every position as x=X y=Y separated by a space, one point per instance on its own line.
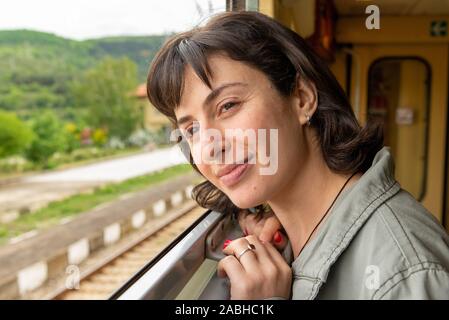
x=352 y=231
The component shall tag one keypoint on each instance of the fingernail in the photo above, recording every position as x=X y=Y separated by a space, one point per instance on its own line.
x=278 y=237
x=246 y=232
x=226 y=243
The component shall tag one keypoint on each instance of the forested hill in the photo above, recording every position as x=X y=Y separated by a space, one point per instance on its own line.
x=36 y=68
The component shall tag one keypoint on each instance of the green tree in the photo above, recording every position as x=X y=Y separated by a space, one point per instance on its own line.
x=14 y=134
x=107 y=93
x=48 y=138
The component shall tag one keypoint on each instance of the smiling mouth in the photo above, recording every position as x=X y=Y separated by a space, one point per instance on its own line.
x=232 y=174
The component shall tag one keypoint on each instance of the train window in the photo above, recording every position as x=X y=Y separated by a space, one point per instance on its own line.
x=398 y=97
x=187 y=269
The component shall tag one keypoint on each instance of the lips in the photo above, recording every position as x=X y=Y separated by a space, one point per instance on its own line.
x=229 y=175
x=226 y=170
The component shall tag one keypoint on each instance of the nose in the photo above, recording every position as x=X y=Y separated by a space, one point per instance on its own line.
x=213 y=145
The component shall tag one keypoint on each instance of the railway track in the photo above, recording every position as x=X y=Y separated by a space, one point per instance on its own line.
x=103 y=280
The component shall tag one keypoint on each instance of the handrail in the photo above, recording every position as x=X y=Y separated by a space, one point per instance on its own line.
x=166 y=275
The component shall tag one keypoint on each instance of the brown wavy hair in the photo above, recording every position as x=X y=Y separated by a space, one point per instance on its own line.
x=283 y=56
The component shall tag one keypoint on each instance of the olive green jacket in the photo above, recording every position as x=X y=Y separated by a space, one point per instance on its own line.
x=378 y=242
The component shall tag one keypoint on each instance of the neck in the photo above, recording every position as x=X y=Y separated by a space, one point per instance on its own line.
x=303 y=201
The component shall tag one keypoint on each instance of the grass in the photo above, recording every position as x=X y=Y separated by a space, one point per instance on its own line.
x=80 y=203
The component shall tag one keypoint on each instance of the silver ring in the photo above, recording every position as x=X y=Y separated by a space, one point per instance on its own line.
x=250 y=247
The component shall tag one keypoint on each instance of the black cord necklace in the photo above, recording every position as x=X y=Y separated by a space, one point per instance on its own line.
x=327 y=211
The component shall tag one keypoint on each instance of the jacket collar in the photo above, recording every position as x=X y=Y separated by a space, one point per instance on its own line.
x=352 y=208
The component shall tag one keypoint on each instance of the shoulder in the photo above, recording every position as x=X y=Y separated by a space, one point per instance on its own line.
x=416 y=262
x=417 y=233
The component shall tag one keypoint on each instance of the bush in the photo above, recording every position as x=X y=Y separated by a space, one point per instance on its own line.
x=48 y=138
x=14 y=134
x=116 y=143
x=144 y=137
x=99 y=137
x=14 y=164
x=140 y=138
x=71 y=137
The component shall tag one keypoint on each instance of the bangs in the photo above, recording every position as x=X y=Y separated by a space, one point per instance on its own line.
x=250 y=42
x=165 y=82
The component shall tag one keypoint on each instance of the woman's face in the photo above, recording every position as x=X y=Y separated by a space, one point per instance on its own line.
x=222 y=127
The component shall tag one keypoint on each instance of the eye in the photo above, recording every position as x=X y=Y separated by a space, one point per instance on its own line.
x=192 y=130
x=227 y=106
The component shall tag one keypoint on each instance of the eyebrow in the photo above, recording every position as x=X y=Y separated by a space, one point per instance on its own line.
x=211 y=96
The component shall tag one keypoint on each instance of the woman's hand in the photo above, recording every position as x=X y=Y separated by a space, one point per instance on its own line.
x=258 y=273
x=267 y=228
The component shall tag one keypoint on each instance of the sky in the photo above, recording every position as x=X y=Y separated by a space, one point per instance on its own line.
x=87 y=19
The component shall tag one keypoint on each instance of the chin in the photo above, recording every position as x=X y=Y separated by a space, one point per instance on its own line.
x=244 y=201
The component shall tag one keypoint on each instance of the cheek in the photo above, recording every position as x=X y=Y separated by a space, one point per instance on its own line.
x=289 y=150
x=196 y=157
x=203 y=169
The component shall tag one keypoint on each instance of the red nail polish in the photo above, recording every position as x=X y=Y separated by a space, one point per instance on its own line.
x=226 y=243
x=278 y=237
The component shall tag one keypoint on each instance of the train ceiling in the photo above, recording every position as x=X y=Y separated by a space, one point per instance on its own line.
x=394 y=7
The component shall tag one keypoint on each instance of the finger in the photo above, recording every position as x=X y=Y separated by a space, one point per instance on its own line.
x=270 y=260
x=279 y=240
x=275 y=255
x=231 y=268
x=251 y=223
x=270 y=227
x=248 y=259
x=261 y=253
x=257 y=229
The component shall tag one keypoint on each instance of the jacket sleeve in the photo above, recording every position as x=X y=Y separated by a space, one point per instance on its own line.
x=424 y=284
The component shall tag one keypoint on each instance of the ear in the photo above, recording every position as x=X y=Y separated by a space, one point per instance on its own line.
x=305 y=99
